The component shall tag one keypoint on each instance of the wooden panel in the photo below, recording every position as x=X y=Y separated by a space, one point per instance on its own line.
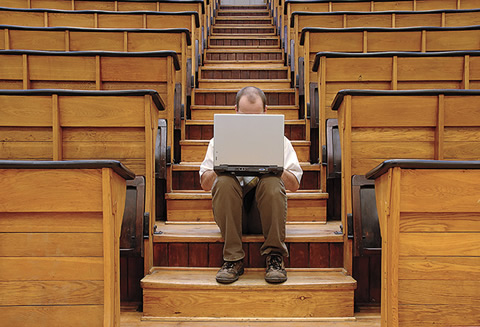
x=359 y=69
x=100 y=41
x=21 y=18
x=418 y=150
x=436 y=4
x=453 y=40
x=438 y=69
x=395 y=134
x=306 y=210
x=120 y=21
x=53 y=316
x=102 y=111
x=70 y=19
x=198 y=255
x=459 y=20
x=133 y=69
x=452 y=193
x=441 y=244
x=155 y=42
x=439 y=222
x=190 y=211
x=341 y=42
x=58 y=68
x=394 y=41
x=378 y=111
x=112 y=150
x=51 y=244
x=25 y=111
x=37 y=40
x=410 y=20
x=439 y=315
x=369 y=20
x=79 y=192
x=416 y=292
x=51 y=268
x=54 y=222
x=439 y=268
x=13 y=293
x=11 y=67
x=103 y=135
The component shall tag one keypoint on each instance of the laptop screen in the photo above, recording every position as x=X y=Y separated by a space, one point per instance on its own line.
x=248 y=143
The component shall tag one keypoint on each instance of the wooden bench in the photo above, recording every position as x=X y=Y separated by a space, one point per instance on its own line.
x=391 y=71
x=394 y=19
x=377 y=39
x=112 y=19
x=422 y=124
x=291 y=6
x=78 y=125
x=430 y=224
x=59 y=242
x=204 y=8
x=100 y=39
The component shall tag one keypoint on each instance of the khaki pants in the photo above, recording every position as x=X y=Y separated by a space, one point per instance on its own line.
x=262 y=209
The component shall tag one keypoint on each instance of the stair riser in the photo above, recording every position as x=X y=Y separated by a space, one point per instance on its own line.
x=205 y=132
x=208 y=114
x=244 y=74
x=228 y=98
x=309 y=210
x=255 y=7
x=235 y=85
x=244 y=42
x=196 y=153
x=190 y=180
x=223 y=21
x=252 y=30
x=244 y=56
x=209 y=254
x=250 y=303
x=233 y=14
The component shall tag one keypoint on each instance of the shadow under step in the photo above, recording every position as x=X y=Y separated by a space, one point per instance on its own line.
x=186 y=177
x=194 y=294
x=196 y=206
x=244 y=55
x=206 y=112
x=194 y=150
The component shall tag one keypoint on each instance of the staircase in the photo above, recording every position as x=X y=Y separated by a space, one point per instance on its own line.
x=244 y=49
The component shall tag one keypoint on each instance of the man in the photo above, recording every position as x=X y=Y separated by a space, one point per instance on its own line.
x=249 y=204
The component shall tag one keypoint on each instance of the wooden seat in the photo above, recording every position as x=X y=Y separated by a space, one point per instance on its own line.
x=59 y=235
x=430 y=224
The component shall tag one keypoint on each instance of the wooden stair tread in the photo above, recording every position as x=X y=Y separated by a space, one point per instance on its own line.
x=241 y=50
x=244 y=67
x=210 y=122
x=209 y=232
x=206 y=90
x=199 y=278
x=221 y=107
x=205 y=142
x=195 y=166
x=246 y=36
x=201 y=195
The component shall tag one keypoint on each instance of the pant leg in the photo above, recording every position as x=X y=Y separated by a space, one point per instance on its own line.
x=271 y=200
x=227 y=202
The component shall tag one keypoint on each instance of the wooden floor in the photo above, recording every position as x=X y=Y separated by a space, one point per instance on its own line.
x=366 y=317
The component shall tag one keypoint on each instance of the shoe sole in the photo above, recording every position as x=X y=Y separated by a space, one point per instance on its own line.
x=276 y=280
x=230 y=280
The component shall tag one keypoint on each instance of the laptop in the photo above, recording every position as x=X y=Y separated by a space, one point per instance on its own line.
x=248 y=144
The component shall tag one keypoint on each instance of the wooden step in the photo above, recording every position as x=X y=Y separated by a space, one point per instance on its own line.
x=192 y=244
x=243 y=20
x=195 y=206
x=206 y=112
x=237 y=12
x=243 y=7
x=194 y=294
x=264 y=41
x=194 y=150
x=220 y=30
x=219 y=97
x=244 y=72
x=203 y=129
x=186 y=177
x=227 y=56
x=239 y=83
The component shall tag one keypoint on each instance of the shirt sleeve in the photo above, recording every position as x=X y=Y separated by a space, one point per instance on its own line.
x=291 y=161
x=207 y=163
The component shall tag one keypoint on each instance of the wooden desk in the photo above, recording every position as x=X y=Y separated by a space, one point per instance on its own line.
x=60 y=226
x=429 y=216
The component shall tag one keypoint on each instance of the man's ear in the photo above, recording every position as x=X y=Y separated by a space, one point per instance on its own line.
x=265 y=110
x=236 y=109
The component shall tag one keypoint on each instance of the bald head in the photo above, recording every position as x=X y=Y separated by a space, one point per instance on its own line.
x=250 y=100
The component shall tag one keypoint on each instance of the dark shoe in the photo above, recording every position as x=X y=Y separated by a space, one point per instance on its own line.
x=230 y=272
x=275 y=272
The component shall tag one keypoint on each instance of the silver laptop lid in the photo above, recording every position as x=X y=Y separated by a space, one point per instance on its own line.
x=248 y=140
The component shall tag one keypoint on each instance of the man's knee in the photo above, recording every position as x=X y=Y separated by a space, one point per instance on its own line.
x=226 y=184
x=271 y=186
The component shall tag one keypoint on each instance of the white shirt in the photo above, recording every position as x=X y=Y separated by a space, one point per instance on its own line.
x=290 y=162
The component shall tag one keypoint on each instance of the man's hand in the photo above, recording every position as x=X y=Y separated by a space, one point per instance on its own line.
x=207 y=180
x=290 y=181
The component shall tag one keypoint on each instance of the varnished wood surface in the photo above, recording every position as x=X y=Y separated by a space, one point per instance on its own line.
x=365 y=318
